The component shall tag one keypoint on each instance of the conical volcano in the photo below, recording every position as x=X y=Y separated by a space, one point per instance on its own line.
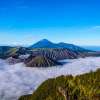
x=41 y=61
x=44 y=44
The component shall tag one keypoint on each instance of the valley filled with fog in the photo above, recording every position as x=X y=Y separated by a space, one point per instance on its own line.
x=17 y=80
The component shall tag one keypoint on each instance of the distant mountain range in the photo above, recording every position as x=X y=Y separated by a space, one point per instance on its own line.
x=94 y=48
x=48 y=44
x=43 y=53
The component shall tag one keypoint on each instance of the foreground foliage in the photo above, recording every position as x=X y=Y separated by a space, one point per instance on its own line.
x=81 y=87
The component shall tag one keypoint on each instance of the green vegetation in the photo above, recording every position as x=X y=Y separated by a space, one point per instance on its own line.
x=81 y=87
x=12 y=51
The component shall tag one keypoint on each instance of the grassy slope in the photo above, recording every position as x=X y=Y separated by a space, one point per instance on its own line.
x=82 y=87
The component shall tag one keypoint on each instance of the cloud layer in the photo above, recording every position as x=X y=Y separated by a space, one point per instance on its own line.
x=17 y=80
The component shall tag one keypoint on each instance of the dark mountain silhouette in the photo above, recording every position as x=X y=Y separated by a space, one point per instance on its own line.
x=48 y=44
x=3 y=50
x=44 y=44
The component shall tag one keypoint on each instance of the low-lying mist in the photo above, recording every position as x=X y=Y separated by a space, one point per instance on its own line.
x=17 y=80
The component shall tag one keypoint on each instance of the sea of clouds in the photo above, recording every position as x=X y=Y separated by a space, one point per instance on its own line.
x=17 y=80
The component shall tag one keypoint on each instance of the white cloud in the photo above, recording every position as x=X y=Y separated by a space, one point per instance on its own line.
x=16 y=80
x=96 y=27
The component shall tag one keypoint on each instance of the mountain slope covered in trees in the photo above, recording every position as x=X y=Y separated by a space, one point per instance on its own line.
x=81 y=87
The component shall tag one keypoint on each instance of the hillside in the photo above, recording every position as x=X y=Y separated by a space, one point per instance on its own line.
x=3 y=50
x=40 y=61
x=42 y=57
x=57 y=54
x=7 y=51
x=47 y=56
x=81 y=87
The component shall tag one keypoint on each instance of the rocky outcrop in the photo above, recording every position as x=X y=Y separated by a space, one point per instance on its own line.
x=57 y=54
x=12 y=60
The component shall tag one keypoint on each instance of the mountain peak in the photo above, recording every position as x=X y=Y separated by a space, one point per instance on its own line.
x=45 y=41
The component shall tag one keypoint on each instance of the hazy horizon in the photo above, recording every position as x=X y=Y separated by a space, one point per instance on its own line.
x=50 y=41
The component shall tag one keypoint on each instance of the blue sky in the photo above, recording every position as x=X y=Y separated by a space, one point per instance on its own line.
x=23 y=22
